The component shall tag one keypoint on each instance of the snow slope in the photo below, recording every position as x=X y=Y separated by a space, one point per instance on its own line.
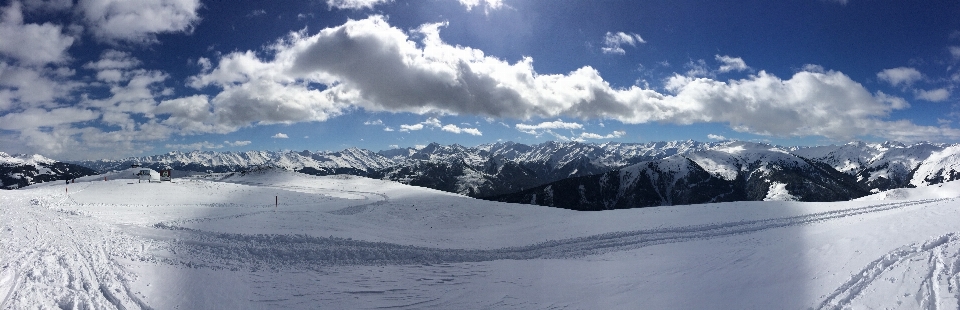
x=345 y=242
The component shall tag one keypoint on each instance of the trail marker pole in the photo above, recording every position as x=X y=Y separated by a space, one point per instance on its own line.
x=276 y=201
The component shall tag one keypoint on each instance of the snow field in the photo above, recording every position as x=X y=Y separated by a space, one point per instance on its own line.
x=351 y=242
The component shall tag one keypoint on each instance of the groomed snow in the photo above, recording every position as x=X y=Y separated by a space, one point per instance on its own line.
x=285 y=240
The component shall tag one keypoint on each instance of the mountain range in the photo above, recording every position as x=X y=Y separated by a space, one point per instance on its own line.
x=587 y=176
x=20 y=170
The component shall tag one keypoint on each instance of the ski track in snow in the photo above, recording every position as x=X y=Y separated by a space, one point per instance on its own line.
x=931 y=269
x=243 y=251
x=73 y=267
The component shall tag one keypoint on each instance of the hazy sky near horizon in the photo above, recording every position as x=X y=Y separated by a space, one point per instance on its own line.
x=93 y=79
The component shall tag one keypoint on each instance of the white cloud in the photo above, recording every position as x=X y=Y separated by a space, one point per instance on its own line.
x=91 y=142
x=32 y=87
x=393 y=146
x=238 y=143
x=488 y=5
x=557 y=124
x=955 y=51
x=433 y=121
x=716 y=137
x=388 y=129
x=373 y=123
x=35 y=118
x=354 y=4
x=280 y=135
x=372 y=65
x=138 y=21
x=613 y=135
x=814 y=68
x=901 y=75
x=698 y=68
x=731 y=63
x=413 y=127
x=135 y=92
x=457 y=130
x=612 y=42
x=113 y=59
x=190 y=115
x=935 y=95
x=31 y=44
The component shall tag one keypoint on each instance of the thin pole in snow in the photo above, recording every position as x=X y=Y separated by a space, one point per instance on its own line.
x=276 y=201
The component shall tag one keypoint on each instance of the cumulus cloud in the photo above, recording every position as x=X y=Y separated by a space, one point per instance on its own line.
x=354 y=4
x=457 y=130
x=280 y=135
x=238 y=143
x=613 y=135
x=138 y=21
x=731 y=63
x=373 y=123
x=716 y=137
x=372 y=65
x=557 y=124
x=413 y=127
x=612 y=42
x=934 y=95
x=33 y=87
x=432 y=122
x=901 y=75
x=113 y=59
x=488 y=5
x=36 y=118
x=31 y=44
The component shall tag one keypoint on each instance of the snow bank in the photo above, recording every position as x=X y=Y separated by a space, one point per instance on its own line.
x=943 y=190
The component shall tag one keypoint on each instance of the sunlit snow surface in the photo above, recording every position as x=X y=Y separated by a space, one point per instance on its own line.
x=285 y=240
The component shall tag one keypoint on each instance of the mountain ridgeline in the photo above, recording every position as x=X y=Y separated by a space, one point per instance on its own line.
x=585 y=176
x=21 y=170
x=729 y=173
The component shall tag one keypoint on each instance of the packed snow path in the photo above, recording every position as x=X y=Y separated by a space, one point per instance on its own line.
x=347 y=242
x=272 y=251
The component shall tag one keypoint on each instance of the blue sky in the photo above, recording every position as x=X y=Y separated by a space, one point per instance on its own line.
x=105 y=79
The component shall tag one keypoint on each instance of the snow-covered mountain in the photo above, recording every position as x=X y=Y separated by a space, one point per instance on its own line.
x=726 y=171
x=349 y=161
x=500 y=168
x=889 y=165
x=485 y=170
x=21 y=170
x=631 y=174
